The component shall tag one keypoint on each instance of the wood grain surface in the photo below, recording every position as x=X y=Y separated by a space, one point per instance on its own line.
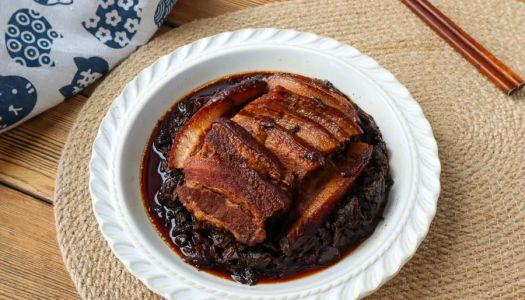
x=31 y=266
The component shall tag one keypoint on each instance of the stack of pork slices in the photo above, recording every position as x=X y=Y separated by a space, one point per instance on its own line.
x=259 y=151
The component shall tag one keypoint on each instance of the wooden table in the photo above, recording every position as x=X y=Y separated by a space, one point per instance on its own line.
x=31 y=266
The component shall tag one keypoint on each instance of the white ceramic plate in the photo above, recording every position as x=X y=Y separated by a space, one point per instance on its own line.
x=116 y=157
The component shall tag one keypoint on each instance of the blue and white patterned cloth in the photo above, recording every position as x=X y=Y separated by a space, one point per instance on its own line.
x=52 y=49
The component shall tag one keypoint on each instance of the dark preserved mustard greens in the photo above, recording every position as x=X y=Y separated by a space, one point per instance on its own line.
x=208 y=248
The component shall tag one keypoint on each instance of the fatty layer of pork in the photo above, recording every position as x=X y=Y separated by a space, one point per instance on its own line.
x=271 y=105
x=189 y=137
x=278 y=145
x=228 y=168
x=230 y=141
x=321 y=192
x=209 y=206
x=294 y=153
x=313 y=88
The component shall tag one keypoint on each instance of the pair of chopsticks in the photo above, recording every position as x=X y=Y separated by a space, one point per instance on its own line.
x=490 y=66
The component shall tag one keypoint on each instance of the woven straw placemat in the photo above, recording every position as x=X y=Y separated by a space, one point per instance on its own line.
x=476 y=244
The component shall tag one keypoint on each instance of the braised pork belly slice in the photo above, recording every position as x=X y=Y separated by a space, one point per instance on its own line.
x=269 y=105
x=213 y=208
x=189 y=137
x=323 y=190
x=311 y=88
x=245 y=187
x=333 y=120
x=230 y=141
x=296 y=155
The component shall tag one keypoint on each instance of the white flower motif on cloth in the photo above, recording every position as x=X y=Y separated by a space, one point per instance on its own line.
x=87 y=77
x=92 y=22
x=41 y=48
x=76 y=90
x=112 y=18
x=106 y=3
x=103 y=34
x=125 y=4
x=138 y=11
x=131 y=25
x=121 y=38
x=88 y=69
x=120 y=16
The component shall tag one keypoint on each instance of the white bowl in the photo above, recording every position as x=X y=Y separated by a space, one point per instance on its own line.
x=122 y=137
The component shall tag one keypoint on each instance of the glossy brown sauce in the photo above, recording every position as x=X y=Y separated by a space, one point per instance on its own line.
x=152 y=178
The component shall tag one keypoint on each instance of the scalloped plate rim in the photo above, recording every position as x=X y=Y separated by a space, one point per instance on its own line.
x=387 y=88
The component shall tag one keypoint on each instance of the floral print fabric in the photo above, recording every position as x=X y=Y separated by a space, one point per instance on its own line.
x=52 y=49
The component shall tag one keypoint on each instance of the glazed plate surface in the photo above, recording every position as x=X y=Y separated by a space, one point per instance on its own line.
x=124 y=132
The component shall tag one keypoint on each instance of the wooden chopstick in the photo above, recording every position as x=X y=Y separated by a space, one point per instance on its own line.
x=490 y=66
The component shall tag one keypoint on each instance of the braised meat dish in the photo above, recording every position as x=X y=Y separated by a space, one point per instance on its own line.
x=265 y=175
